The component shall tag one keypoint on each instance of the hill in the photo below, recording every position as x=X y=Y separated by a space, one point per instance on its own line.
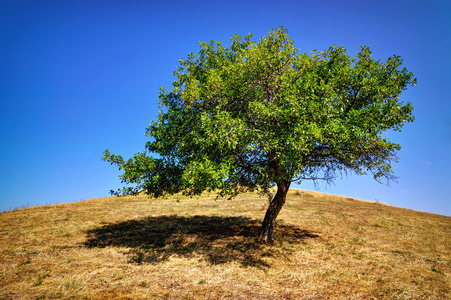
x=327 y=247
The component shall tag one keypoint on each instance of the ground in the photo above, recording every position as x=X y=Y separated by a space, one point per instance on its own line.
x=326 y=247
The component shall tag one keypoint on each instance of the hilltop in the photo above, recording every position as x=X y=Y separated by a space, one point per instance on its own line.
x=200 y=248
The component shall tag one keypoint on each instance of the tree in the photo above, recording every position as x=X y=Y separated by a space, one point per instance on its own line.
x=260 y=114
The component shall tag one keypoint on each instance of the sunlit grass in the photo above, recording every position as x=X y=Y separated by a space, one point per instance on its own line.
x=201 y=248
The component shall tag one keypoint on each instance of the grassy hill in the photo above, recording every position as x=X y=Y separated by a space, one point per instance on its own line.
x=327 y=247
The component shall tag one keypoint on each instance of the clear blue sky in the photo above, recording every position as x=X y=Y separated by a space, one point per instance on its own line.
x=78 y=77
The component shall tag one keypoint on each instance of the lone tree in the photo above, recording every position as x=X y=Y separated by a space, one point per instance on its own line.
x=260 y=114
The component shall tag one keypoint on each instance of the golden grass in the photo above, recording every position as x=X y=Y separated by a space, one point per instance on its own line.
x=327 y=247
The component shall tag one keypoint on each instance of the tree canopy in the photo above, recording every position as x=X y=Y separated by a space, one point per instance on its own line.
x=259 y=114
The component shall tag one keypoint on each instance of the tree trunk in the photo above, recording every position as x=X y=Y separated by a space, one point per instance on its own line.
x=267 y=230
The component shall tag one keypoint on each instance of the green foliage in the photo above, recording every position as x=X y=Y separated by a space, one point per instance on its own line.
x=256 y=114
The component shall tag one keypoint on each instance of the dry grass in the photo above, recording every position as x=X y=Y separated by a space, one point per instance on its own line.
x=327 y=247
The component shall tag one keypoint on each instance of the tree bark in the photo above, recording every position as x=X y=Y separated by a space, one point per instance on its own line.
x=267 y=230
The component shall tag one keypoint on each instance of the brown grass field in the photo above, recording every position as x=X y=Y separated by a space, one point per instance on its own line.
x=327 y=247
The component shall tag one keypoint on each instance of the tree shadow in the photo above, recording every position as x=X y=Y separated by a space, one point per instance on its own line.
x=216 y=239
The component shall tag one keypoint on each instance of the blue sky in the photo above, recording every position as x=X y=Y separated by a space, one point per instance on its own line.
x=78 y=77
